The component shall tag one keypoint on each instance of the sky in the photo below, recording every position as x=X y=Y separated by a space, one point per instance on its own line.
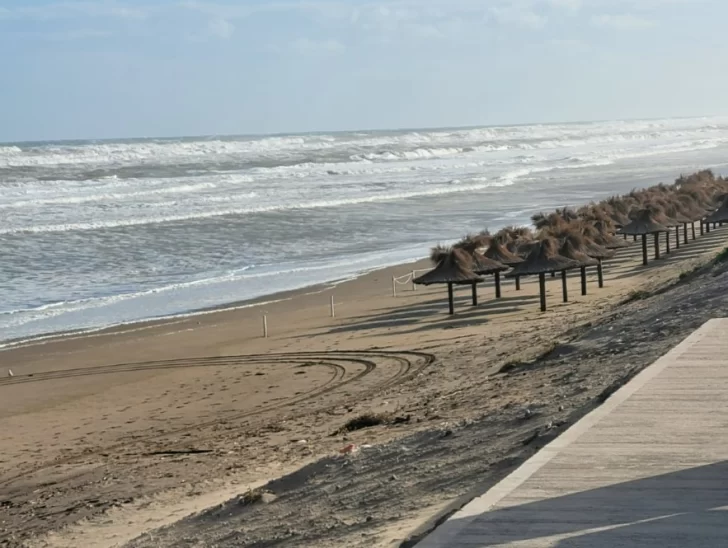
x=148 y=68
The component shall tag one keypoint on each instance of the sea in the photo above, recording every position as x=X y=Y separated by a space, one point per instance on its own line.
x=106 y=232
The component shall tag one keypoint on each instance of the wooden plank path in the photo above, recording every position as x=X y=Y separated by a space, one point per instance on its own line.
x=649 y=468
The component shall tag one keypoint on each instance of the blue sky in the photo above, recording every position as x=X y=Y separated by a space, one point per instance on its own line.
x=124 y=68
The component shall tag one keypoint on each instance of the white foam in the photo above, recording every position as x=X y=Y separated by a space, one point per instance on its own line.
x=217 y=188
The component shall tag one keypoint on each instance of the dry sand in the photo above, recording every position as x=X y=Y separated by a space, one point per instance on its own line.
x=109 y=436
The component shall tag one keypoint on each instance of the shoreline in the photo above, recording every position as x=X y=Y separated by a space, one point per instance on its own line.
x=207 y=403
x=167 y=320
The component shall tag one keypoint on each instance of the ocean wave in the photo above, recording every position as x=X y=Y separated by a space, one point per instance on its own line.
x=100 y=197
x=317 y=204
x=370 y=146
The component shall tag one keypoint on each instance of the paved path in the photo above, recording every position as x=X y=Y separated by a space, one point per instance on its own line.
x=647 y=469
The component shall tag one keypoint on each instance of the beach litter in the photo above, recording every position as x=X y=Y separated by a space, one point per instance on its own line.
x=349 y=449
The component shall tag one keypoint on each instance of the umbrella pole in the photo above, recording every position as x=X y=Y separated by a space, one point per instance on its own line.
x=450 y=299
x=497 y=286
x=657 y=245
x=475 y=294
x=667 y=242
x=563 y=286
x=600 y=273
x=644 y=249
x=692 y=225
x=685 y=233
x=677 y=237
x=542 y=290
x=518 y=283
x=583 y=280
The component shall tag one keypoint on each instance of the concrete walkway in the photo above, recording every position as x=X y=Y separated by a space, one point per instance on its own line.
x=649 y=468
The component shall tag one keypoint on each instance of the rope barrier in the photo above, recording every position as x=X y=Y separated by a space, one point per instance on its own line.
x=405 y=279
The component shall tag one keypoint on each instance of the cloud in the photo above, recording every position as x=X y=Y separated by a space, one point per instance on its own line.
x=518 y=16
x=83 y=34
x=308 y=46
x=622 y=22
x=569 y=5
x=72 y=10
x=220 y=28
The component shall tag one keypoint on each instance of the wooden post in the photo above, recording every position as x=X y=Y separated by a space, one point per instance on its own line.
x=693 y=227
x=667 y=242
x=677 y=237
x=657 y=245
x=414 y=285
x=394 y=286
x=644 y=249
x=685 y=233
x=701 y=227
x=707 y=227
x=265 y=326
x=634 y=237
x=497 y=286
x=583 y=280
x=563 y=286
x=542 y=289
x=625 y=236
x=450 y=299
x=518 y=283
x=475 y=294
x=333 y=312
x=600 y=273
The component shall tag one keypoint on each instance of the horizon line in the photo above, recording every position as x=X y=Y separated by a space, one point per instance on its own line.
x=341 y=131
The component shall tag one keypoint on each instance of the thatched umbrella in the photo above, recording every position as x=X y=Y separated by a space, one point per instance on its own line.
x=720 y=215
x=484 y=266
x=643 y=224
x=681 y=214
x=499 y=253
x=598 y=252
x=603 y=235
x=545 y=258
x=573 y=248
x=661 y=215
x=472 y=242
x=454 y=267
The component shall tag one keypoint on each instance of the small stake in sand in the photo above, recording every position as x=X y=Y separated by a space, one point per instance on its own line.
x=394 y=286
x=333 y=311
x=265 y=326
x=10 y=373
x=414 y=286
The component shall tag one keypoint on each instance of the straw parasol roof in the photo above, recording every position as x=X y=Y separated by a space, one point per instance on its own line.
x=644 y=222
x=522 y=248
x=454 y=267
x=483 y=265
x=573 y=248
x=720 y=215
x=544 y=258
x=471 y=242
x=597 y=251
x=599 y=232
x=498 y=252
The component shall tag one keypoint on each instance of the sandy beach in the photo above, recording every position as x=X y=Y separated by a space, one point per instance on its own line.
x=106 y=437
